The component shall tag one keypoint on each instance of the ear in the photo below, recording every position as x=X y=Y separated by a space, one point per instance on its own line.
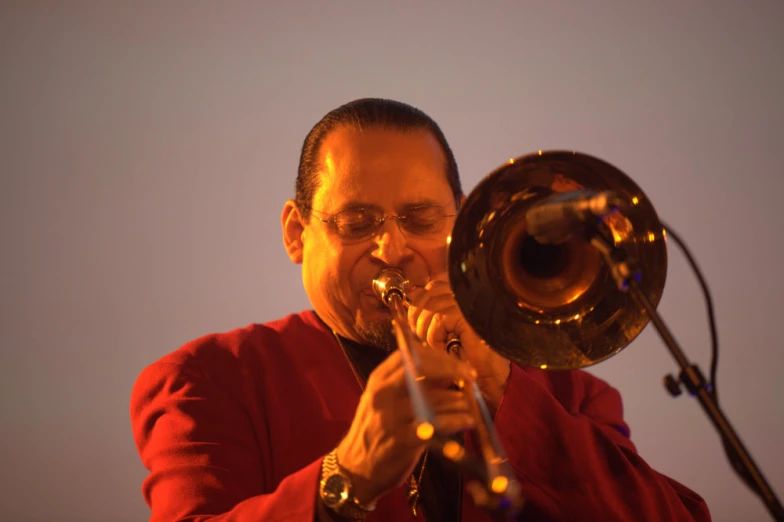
x=293 y=226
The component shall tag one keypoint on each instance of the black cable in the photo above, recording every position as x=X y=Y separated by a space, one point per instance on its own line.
x=731 y=455
x=709 y=306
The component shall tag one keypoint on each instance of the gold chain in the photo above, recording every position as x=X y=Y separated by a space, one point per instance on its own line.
x=413 y=483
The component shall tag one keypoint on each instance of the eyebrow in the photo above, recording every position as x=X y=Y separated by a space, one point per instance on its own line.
x=357 y=205
x=425 y=202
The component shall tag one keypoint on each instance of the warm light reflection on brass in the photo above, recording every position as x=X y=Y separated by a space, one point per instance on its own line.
x=499 y=484
x=448 y=240
x=425 y=431
x=635 y=200
x=453 y=451
x=651 y=236
x=620 y=226
x=543 y=367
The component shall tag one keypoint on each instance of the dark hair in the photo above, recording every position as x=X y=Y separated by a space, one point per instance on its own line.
x=359 y=114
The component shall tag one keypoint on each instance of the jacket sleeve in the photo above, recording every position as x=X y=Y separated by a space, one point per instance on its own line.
x=581 y=465
x=204 y=457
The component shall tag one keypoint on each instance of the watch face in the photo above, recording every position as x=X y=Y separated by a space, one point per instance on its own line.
x=335 y=490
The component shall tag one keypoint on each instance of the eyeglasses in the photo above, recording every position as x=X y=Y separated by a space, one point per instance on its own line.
x=363 y=223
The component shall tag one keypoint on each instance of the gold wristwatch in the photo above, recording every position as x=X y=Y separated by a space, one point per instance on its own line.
x=336 y=491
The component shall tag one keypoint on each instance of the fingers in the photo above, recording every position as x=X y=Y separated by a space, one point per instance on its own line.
x=451 y=412
x=388 y=385
x=449 y=424
x=448 y=401
x=437 y=370
x=430 y=317
x=434 y=315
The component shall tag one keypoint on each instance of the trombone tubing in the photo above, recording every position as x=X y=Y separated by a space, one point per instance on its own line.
x=488 y=471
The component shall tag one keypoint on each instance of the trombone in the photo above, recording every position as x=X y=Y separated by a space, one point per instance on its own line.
x=553 y=305
x=495 y=486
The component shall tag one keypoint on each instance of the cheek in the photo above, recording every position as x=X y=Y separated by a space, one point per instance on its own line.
x=330 y=268
x=436 y=257
x=317 y=263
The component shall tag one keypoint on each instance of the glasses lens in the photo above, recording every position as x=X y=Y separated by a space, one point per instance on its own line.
x=356 y=224
x=424 y=221
x=363 y=223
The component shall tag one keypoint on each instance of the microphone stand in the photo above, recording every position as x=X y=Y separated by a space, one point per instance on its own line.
x=626 y=274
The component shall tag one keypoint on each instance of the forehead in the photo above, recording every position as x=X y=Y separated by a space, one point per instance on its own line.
x=383 y=167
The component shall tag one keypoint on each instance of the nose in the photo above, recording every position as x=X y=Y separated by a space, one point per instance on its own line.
x=391 y=246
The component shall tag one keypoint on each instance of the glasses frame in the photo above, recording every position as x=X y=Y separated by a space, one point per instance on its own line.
x=400 y=218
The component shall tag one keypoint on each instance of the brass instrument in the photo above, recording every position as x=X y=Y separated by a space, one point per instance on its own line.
x=553 y=307
x=498 y=489
x=550 y=306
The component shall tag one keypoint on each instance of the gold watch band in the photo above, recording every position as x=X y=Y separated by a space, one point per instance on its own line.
x=344 y=503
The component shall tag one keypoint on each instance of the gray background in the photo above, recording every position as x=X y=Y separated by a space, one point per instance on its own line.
x=147 y=149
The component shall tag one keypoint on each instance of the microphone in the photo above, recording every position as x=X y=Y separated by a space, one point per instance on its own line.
x=556 y=218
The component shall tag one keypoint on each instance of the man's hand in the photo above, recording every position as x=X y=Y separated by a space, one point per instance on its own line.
x=434 y=316
x=381 y=448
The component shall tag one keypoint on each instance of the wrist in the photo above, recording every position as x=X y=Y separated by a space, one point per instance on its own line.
x=337 y=490
x=363 y=488
x=494 y=387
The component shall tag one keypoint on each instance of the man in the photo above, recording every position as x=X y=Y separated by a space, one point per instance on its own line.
x=309 y=417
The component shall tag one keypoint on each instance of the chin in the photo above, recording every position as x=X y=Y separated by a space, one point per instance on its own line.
x=374 y=315
x=376 y=330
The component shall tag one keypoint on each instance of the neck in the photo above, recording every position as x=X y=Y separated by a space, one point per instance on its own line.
x=374 y=336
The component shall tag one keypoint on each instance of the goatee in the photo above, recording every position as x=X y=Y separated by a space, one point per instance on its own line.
x=379 y=334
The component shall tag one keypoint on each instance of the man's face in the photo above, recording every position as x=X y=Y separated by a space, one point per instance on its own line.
x=391 y=172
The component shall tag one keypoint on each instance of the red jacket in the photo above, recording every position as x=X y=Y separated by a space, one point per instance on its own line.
x=233 y=427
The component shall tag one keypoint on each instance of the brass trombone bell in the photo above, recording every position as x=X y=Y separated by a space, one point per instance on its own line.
x=552 y=306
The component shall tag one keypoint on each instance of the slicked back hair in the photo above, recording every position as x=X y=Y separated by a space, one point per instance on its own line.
x=360 y=114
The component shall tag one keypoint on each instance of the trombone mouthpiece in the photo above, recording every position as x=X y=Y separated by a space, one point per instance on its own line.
x=388 y=282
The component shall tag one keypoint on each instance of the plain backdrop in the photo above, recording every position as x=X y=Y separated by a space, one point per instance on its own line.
x=146 y=149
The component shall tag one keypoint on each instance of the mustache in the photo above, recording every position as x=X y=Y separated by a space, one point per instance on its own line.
x=415 y=280
x=418 y=279
x=410 y=286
